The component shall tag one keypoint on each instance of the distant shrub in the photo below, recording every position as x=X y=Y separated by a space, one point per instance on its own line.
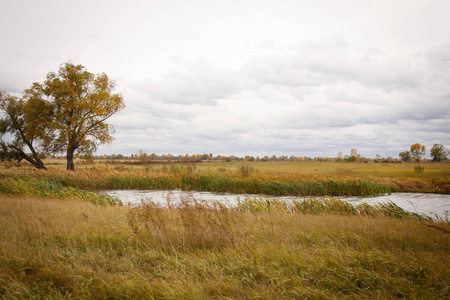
x=419 y=169
x=246 y=170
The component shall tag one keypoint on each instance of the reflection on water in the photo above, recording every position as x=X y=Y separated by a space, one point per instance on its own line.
x=432 y=205
x=427 y=204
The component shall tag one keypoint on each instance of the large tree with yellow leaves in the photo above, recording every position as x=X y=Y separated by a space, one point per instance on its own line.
x=80 y=103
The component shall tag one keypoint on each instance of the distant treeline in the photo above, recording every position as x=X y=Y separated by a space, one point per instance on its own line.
x=144 y=158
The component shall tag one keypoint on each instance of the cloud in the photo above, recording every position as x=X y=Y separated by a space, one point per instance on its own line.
x=315 y=99
x=198 y=82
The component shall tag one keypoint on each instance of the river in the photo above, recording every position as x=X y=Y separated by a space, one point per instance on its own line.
x=433 y=205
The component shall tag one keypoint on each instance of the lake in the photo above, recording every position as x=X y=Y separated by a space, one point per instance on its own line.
x=432 y=205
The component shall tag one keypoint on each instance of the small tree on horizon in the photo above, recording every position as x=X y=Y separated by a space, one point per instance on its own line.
x=417 y=151
x=439 y=153
x=405 y=156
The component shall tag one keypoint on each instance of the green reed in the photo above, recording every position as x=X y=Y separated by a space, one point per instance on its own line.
x=188 y=179
x=281 y=187
x=47 y=188
x=326 y=206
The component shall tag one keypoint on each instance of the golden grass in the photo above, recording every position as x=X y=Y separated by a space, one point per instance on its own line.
x=74 y=249
x=398 y=176
x=276 y=167
x=21 y=182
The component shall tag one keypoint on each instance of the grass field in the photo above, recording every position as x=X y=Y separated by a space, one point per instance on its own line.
x=60 y=239
x=275 y=167
x=73 y=249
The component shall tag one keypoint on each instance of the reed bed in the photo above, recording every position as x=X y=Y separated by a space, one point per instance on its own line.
x=186 y=179
x=48 y=188
x=328 y=205
x=194 y=250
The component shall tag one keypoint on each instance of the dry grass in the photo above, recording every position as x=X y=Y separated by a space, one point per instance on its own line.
x=187 y=178
x=269 y=176
x=328 y=205
x=73 y=249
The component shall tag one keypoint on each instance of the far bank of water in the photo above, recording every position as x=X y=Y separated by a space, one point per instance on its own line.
x=432 y=205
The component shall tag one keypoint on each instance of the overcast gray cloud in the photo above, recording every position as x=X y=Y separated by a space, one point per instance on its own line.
x=249 y=77
x=322 y=97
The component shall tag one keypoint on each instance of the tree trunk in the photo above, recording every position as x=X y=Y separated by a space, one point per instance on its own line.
x=37 y=162
x=40 y=165
x=70 y=164
x=33 y=162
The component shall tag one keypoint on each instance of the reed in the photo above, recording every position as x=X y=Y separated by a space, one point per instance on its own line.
x=70 y=185
x=187 y=179
x=73 y=249
x=190 y=224
x=328 y=205
x=48 y=188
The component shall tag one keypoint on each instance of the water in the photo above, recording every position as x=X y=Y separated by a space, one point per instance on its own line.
x=433 y=205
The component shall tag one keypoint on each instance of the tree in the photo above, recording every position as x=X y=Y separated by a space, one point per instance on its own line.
x=27 y=121
x=405 y=155
x=439 y=152
x=417 y=150
x=143 y=157
x=80 y=103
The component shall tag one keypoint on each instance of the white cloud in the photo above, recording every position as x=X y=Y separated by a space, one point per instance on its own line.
x=198 y=82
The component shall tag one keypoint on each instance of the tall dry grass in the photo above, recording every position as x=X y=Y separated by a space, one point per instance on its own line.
x=74 y=249
x=188 y=179
x=328 y=205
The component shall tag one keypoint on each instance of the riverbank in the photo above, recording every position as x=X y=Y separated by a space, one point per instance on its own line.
x=238 y=178
x=73 y=249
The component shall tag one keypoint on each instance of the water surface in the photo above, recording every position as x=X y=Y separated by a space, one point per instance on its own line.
x=433 y=205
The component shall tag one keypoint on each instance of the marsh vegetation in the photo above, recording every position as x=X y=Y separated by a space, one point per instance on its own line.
x=61 y=239
x=74 y=249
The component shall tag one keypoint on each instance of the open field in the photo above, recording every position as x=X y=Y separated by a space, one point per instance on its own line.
x=73 y=249
x=273 y=167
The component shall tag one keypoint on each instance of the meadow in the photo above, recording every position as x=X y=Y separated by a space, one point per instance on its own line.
x=60 y=239
x=74 y=249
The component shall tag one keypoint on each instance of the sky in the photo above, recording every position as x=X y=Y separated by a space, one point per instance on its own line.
x=282 y=77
